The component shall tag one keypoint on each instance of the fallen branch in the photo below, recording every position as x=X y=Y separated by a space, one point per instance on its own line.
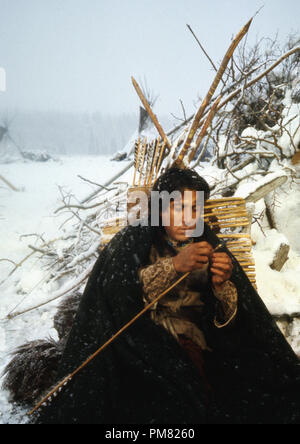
x=68 y=288
x=17 y=266
x=109 y=182
x=39 y=250
x=12 y=187
x=95 y=183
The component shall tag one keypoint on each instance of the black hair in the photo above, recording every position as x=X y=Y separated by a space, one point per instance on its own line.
x=175 y=179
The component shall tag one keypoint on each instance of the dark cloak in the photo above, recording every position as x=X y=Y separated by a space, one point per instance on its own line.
x=145 y=377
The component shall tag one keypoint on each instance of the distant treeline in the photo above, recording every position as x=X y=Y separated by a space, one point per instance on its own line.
x=70 y=133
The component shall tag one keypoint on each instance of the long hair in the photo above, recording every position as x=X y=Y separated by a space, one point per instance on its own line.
x=174 y=179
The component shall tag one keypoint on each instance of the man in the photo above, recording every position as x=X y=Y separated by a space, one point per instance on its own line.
x=181 y=253
x=208 y=352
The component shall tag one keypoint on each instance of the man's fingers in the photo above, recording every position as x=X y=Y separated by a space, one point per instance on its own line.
x=203 y=251
x=203 y=259
x=218 y=272
x=218 y=280
x=203 y=244
x=221 y=257
x=203 y=247
x=225 y=266
x=222 y=261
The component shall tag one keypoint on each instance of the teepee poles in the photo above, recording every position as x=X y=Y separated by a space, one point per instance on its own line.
x=212 y=89
x=150 y=112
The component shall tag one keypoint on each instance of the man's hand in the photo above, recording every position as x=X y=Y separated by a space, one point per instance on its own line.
x=193 y=257
x=221 y=268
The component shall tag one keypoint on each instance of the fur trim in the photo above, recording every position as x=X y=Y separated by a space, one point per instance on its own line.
x=34 y=365
x=65 y=315
x=32 y=370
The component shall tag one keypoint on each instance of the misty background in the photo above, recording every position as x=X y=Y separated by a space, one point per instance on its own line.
x=69 y=63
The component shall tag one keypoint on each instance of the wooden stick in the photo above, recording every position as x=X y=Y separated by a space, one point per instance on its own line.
x=143 y=160
x=160 y=160
x=249 y=265
x=204 y=129
x=238 y=242
x=240 y=250
x=148 y=162
x=109 y=182
x=150 y=112
x=225 y=200
x=12 y=187
x=243 y=224
x=238 y=206
x=235 y=235
x=219 y=211
x=227 y=215
x=197 y=40
x=242 y=257
x=136 y=161
x=212 y=89
x=226 y=208
x=227 y=220
x=154 y=162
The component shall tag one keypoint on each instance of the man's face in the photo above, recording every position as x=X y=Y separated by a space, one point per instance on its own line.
x=184 y=216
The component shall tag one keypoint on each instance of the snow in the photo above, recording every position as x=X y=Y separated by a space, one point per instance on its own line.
x=280 y=291
x=287 y=216
x=32 y=211
x=245 y=190
x=250 y=133
x=224 y=145
x=27 y=212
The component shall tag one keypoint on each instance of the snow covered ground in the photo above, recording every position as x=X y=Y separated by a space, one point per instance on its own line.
x=31 y=211
x=28 y=212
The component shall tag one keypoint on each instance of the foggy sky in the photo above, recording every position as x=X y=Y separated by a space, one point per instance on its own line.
x=79 y=55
